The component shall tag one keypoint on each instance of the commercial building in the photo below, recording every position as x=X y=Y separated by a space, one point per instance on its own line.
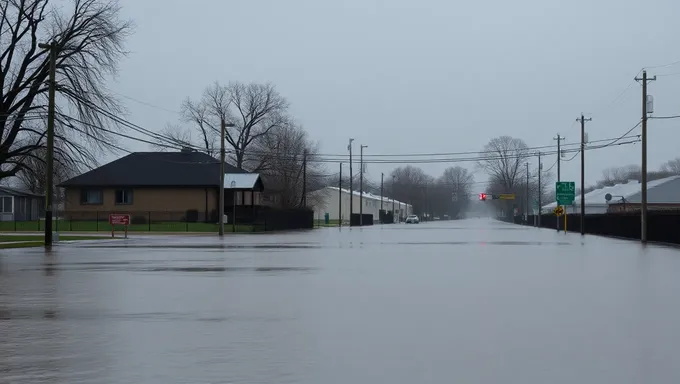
x=661 y=194
x=335 y=202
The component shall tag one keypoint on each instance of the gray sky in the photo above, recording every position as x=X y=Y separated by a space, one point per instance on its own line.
x=407 y=76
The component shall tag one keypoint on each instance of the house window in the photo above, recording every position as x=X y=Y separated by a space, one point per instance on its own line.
x=123 y=196
x=6 y=204
x=91 y=196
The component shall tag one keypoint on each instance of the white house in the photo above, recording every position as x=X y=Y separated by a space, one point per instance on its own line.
x=662 y=191
x=335 y=202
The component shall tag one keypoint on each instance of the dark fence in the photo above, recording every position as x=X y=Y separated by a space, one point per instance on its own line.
x=279 y=219
x=662 y=226
x=355 y=220
x=248 y=219
x=386 y=217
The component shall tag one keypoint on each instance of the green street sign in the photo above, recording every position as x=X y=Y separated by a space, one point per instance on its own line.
x=565 y=192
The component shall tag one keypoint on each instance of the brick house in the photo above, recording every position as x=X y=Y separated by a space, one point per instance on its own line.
x=177 y=185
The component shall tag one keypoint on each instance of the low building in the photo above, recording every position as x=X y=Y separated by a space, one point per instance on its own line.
x=172 y=186
x=20 y=205
x=335 y=202
x=662 y=194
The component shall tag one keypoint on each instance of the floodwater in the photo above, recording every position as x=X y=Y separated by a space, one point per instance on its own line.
x=473 y=301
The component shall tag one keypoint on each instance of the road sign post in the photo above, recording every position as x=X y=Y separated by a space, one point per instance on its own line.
x=119 y=219
x=565 y=192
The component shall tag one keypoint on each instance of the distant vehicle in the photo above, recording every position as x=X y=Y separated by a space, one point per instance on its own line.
x=412 y=219
x=436 y=217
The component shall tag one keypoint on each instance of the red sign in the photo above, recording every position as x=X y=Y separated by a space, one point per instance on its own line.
x=119 y=219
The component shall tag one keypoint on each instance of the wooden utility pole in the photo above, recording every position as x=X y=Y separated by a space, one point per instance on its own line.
x=393 y=198
x=643 y=178
x=559 y=154
x=527 y=193
x=382 y=184
x=304 y=180
x=361 y=185
x=223 y=129
x=340 y=198
x=351 y=182
x=540 y=170
x=49 y=192
x=583 y=173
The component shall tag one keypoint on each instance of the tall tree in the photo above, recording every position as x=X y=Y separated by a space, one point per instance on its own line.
x=253 y=109
x=457 y=184
x=504 y=159
x=89 y=37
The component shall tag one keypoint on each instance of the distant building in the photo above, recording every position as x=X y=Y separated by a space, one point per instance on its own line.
x=662 y=194
x=20 y=205
x=327 y=200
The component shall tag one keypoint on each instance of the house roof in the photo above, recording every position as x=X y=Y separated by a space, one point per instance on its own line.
x=246 y=181
x=666 y=190
x=17 y=192
x=155 y=169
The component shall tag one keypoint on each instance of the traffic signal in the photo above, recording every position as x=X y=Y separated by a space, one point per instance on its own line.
x=482 y=196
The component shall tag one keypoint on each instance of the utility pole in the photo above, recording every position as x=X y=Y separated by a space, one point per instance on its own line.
x=223 y=129
x=559 y=155
x=304 y=179
x=340 y=198
x=527 y=193
x=382 y=181
x=223 y=133
x=540 y=169
x=643 y=181
x=361 y=185
x=49 y=193
x=351 y=182
x=583 y=172
x=393 y=199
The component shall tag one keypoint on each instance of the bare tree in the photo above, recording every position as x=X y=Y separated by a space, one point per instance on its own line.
x=455 y=181
x=285 y=149
x=672 y=166
x=411 y=185
x=504 y=160
x=89 y=38
x=253 y=109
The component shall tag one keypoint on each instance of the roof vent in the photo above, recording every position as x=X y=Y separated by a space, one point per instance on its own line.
x=187 y=150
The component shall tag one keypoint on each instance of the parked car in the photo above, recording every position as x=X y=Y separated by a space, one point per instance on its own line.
x=412 y=219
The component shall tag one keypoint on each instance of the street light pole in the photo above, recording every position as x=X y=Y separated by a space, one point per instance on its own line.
x=393 y=199
x=223 y=133
x=382 y=181
x=361 y=185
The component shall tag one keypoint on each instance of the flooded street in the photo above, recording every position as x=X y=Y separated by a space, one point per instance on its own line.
x=474 y=301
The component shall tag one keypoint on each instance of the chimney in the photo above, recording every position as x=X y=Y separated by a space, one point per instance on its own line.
x=186 y=150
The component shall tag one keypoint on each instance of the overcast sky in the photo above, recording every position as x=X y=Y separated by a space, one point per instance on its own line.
x=407 y=76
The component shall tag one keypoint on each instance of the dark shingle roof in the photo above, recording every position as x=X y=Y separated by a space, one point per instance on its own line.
x=17 y=192
x=155 y=169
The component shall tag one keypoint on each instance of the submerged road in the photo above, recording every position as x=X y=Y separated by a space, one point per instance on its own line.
x=473 y=301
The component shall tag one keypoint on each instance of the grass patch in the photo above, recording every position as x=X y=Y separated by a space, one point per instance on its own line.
x=34 y=238
x=27 y=244
x=104 y=226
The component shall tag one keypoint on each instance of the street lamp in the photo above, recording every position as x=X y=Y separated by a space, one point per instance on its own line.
x=361 y=185
x=223 y=132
